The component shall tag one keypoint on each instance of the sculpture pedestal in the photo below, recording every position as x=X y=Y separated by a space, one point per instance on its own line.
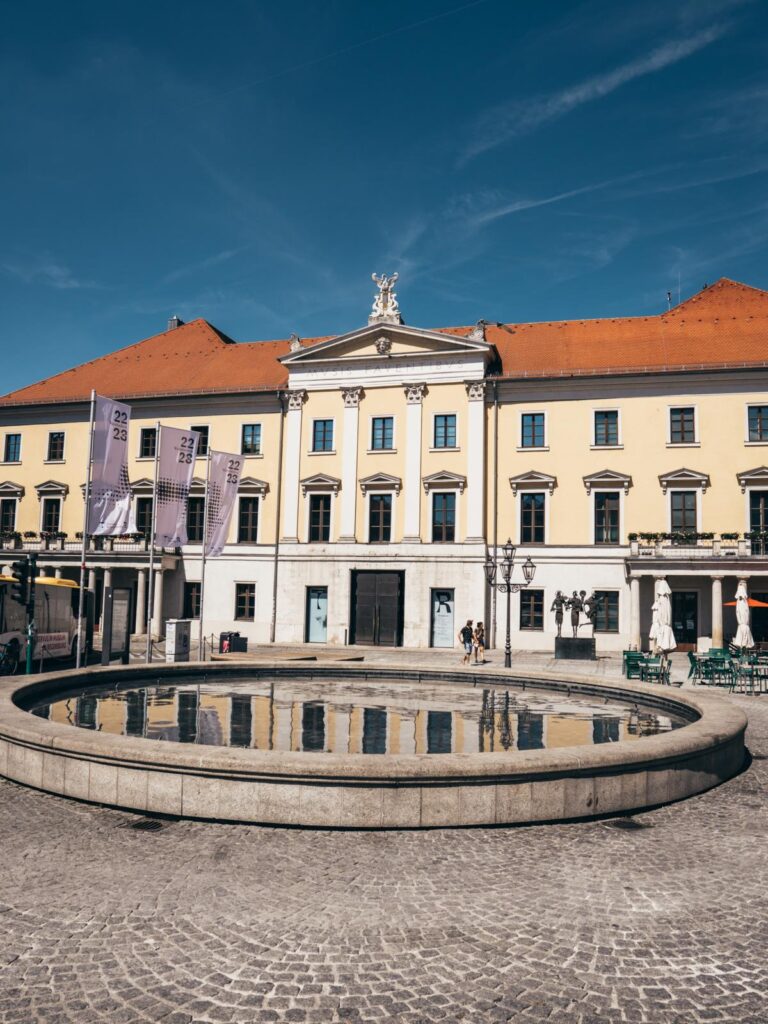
x=573 y=648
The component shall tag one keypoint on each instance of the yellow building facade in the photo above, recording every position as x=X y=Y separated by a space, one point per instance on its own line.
x=383 y=467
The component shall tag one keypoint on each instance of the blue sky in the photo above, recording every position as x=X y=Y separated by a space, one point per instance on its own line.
x=254 y=162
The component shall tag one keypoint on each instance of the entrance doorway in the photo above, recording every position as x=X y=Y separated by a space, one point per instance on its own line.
x=316 y=616
x=377 y=608
x=441 y=634
x=759 y=619
x=685 y=618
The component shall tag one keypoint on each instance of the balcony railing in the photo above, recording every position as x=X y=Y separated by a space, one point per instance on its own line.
x=705 y=548
x=53 y=544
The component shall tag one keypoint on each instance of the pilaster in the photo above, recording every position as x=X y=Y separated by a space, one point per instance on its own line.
x=296 y=401
x=414 y=397
x=475 y=461
x=350 y=423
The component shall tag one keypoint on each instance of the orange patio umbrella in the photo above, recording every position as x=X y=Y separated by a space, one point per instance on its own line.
x=751 y=601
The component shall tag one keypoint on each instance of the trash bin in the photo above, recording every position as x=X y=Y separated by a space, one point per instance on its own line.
x=232 y=643
x=177 y=633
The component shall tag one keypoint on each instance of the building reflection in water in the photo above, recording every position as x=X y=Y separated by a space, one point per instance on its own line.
x=487 y=721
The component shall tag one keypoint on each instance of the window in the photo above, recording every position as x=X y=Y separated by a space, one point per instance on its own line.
x=682 y=425
x=374 y=731
x=607 y=508
x=532 y=510
x=144 y=516
x=443 y=518
x=251 y=439
x=245 y=602
x=248 y=521
x=380 y=519
x=683 y=506
x=12 y=451
x=240 y=720
x=382 y=433
x=312 y=726
x=606 y=427
x=319 y=517
x=758 y=422
x=51 y=522
x=445 y=431
x=147 y=442
x=56 y=446
x=195 y=517
x=532 y=609
x=322 y=436
x=202 y=444
x=7 y=515
x=607 y=617
x=192 y=600
x=532 y=435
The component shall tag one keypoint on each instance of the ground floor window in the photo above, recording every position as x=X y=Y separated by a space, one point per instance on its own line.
x=607 y=618
x=192 y=600
x=245 y=602
x=532 y=609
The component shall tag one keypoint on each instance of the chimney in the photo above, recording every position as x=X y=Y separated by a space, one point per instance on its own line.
x=175 y=322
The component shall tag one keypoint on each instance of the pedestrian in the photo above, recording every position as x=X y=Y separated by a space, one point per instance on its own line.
x=479 y=644
x=466 y=638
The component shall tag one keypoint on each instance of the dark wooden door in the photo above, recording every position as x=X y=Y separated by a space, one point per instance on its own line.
x=685 y=618
x=377 y=608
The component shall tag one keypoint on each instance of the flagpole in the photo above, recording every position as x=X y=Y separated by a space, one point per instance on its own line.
x=81 y=602
x=201 y=651
x=151 y=595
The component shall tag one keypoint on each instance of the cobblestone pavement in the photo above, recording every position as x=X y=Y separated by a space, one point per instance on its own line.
x=577 y=923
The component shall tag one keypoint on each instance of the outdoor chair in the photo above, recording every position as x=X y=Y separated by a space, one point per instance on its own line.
x=633 y=662
x=694 y=671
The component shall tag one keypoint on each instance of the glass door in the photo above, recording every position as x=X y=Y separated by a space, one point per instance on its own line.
x=442 y=618
x=317 y=615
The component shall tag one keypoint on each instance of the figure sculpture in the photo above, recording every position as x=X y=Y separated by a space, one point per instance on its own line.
x=592 y=606
x=385 y=308
x=576 y=606
x=559 y=604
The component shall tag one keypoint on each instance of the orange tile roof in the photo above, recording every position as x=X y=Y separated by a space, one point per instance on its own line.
x=725 y=325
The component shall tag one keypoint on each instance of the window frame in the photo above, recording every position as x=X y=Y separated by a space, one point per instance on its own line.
x=312 y=436
x=748 y=440
x=52 y=434
x=258 y=454
x=8 y=500
x=146 y=500
x=6 y=438
x=196 y=498
x=445 y=447
x=696 y=491
x=594 y=495
x=373 y=495
x=146 y=432
x=597 y=444
x=695 y=443
x=443 y=494
x=45 y=499
x=520 y=496
x=521 y=447
x=617 y=593
x=199 y=428
x=239 y=586
x=240 y=499
x=187 y=605
x=311 y=495
x=527 y=593
x=371 y=435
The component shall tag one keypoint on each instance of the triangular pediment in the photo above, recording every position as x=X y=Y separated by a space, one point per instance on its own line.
x=252 y=485
x=144 y=484
x=607 y=478
x=444 y=480
x=54 y=487
x=387 y=343
x=8 y=489
x=684 y=478
x=380 y=482
x=753 y=478
x=320 y=482
x=533 y=480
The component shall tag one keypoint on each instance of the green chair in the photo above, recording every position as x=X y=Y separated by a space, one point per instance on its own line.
x=633 y=662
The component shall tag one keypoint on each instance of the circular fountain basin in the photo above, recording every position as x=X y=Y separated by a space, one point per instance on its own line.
x=347 y=746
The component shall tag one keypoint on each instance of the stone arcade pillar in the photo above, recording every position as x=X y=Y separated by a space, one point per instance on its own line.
x=292 y=464
x=414 y=395
x=634 y=612
x=107 y=583
x=475 y=503
x=157 y=606
x=349 y=440
x=141 y=602
x=717 y=611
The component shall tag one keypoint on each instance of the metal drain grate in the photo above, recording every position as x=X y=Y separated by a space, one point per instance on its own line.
x=142 y=824
x=627 y=824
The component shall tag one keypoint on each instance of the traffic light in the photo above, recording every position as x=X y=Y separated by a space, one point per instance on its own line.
x=20 y=585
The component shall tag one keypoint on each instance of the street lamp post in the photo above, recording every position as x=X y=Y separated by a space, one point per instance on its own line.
x=507 y=587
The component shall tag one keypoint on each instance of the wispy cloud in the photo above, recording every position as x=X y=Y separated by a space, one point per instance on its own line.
x=48 y=272
x=518 y=117
x=210 y=261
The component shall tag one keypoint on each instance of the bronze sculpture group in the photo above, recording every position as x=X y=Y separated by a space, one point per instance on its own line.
x=577 y=603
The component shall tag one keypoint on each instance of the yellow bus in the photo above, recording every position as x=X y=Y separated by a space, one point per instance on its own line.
x=56 y=607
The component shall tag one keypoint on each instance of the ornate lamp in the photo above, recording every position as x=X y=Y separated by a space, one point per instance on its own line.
x=507 y=587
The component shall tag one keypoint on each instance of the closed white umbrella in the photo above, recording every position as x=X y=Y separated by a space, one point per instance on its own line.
x=743 y=636
x=665 y=638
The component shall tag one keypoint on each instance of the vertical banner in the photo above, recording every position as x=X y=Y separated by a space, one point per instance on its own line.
x=223 y=481
x=109 y=507
x=175 y=463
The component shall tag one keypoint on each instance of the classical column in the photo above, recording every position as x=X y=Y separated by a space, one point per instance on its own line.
x=475 y=462
x=57 y=573
x=107 y=583
x=92 y=580
x=634 y=612
x=414 y=394
x=296 y=400
x=141 y=602
x=717 y=611
x=342 y=714
x=157 y=606
x=352 y=398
